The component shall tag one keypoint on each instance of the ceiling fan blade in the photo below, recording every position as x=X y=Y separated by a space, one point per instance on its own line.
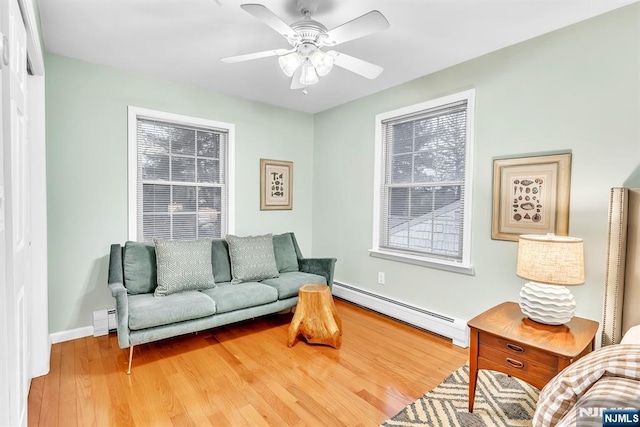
x=364 y=25
x=295 y=80
x=358 y=66
x=270 y=19
x=256 y=55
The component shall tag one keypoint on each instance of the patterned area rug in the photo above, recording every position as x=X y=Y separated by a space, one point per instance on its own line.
x=500 y=401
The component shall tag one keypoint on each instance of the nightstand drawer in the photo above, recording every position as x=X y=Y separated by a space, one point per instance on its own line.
x=531 y=372
x=517 y=350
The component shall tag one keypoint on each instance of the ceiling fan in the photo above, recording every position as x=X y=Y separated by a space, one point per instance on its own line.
x=306 y=60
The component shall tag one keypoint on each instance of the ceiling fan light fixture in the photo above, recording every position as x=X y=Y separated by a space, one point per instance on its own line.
x=289 y=63
x=322 y=62
x=309 y=76
x=306 y=61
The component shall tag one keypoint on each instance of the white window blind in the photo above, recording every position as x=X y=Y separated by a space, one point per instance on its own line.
x=182 y=176
x=424 y=181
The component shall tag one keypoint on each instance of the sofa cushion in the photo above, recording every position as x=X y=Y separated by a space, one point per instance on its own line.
x=147 y=311
x=220 y=261
x=285 y=253
x=243 y=295
x=288 y=284
x=183 y=265
x=252 y=258
x=139 y=261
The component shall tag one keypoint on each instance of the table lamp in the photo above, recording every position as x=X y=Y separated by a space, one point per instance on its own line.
x=550 y=262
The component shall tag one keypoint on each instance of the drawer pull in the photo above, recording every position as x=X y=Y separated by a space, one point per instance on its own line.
x=515 y=348
x=515 y=363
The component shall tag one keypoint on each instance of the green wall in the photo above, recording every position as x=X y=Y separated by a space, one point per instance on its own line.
x=87 y=171
x=575 y=89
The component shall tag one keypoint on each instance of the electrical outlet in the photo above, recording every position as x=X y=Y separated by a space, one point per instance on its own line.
x=381 y=277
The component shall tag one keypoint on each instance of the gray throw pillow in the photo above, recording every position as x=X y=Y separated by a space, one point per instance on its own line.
x=183 y=265
x=139 y=268
x=252 y=258
x=285 y=252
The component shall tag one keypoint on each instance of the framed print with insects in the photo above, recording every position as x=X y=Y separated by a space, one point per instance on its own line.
x=276 y=185
x=531 y=196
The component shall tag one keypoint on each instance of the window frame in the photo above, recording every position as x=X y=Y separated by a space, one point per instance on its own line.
x=135 y=113
x=465 y=265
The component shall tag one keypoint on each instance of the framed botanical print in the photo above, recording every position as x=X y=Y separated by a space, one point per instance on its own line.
x=531 y=196
x=276 y=185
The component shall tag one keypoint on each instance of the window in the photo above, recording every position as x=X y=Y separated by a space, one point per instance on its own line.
x=423 y=183
x=180 y=178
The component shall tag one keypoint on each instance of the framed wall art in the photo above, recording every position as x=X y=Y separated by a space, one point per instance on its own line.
x=276 y=185
x=531 y=196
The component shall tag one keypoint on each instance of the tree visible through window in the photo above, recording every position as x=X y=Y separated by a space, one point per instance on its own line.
x=425 y=179
x=181 y=188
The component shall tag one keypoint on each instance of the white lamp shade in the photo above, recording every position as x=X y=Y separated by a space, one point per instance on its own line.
x=289 y=63
x=550 y=262
x=322 y=62
x=550 y=259
x=308 y=76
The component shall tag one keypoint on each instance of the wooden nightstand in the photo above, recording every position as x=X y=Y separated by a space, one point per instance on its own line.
x=503 y=339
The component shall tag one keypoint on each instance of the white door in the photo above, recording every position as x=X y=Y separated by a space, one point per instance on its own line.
x=14 y=237
x=4 y=367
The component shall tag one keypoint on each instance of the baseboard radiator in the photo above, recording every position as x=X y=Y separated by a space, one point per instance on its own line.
x=104 y=321
x=455 y=329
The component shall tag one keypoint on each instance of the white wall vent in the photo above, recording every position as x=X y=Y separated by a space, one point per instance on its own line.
x=113 y=323
x=100 y=323
x=104 y=321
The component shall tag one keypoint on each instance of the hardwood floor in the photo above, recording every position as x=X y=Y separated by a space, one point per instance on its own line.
x=245 y=375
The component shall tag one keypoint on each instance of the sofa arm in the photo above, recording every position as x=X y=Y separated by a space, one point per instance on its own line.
x=115 y=282
x=320 y=266
x=116 y=272
x=119 y=292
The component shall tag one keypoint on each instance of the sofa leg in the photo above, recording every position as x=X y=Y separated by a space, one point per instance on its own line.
x=130 y=358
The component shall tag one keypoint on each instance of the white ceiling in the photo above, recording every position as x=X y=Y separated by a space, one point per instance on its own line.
x=183 y=40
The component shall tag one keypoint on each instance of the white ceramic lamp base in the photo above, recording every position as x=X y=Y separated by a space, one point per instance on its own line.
x=548 y=304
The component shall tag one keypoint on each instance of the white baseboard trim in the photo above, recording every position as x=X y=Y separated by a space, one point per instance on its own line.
x=449 y=327
x=71 y=334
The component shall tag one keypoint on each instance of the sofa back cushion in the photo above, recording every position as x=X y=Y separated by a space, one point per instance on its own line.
x=139 y=267
x=252 y=258
x=183 y=265
x=285 y=253
x=220 y=261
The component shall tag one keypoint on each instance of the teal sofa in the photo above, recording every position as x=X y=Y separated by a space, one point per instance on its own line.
x=143 y=317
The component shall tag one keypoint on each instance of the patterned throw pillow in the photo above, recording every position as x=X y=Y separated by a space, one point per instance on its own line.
x=252 y=258
x=183 y=265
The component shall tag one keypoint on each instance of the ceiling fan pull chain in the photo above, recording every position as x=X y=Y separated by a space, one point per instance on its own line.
x=4 y=48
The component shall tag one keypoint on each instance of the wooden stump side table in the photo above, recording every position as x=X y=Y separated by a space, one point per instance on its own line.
x=316 y=318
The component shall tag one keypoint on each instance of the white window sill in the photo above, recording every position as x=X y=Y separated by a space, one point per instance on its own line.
x=454 y=267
